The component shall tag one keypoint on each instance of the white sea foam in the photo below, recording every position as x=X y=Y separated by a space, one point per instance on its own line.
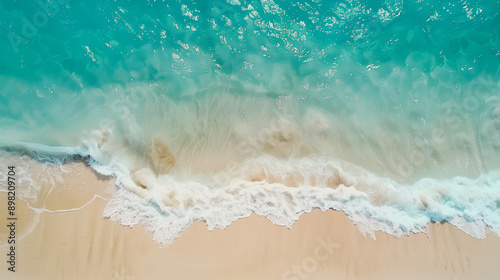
x=167 y=205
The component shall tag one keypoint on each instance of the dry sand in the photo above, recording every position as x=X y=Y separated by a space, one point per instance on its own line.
x=321 y=245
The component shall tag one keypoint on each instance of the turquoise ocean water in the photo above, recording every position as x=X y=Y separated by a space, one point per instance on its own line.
x=386 y=110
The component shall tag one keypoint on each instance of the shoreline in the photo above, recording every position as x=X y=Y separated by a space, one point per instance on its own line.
x=81 y=244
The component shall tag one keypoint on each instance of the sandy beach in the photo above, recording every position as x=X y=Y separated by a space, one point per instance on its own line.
x=80 y=244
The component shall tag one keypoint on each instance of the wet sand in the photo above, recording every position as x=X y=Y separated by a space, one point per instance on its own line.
x=80 y=244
